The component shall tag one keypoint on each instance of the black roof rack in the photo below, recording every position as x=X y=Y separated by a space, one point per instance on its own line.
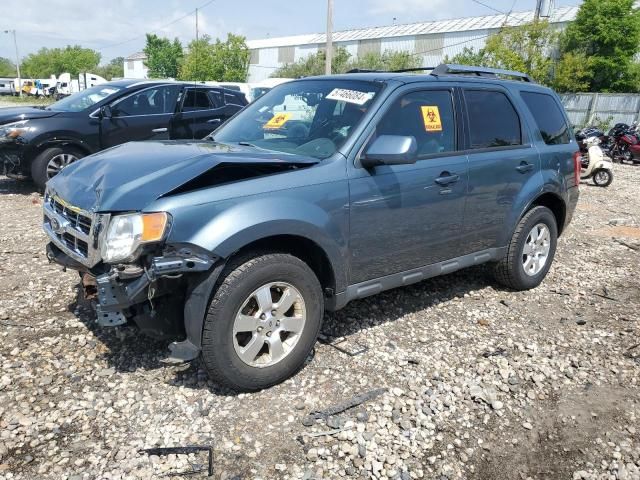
x=452 y=69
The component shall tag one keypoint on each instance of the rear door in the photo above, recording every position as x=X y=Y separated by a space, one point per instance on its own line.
x=143 y=115
x=502 y=161
x=202 y=110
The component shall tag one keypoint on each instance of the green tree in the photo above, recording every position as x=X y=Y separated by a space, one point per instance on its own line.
x=468 y=56
x=231 y=59
x=342 y=62
x=113 y=69
x=573 y=73
x=608 y=33
x=388 y=61
x=163 y=56
x=198 y=63
x=220 y=61
x=526 y=48
x=54 y=61
x=7 y=68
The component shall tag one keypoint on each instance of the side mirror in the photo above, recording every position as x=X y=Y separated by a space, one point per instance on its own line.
x=106 y=111
x=390 y=150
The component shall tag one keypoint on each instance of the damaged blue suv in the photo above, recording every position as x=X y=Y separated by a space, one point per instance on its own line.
x=324 y=190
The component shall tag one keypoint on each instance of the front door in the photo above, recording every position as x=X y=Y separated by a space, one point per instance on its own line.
x=406 y=216
x=144 y=115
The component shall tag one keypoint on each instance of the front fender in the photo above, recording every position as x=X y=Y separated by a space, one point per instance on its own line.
x=225 y=227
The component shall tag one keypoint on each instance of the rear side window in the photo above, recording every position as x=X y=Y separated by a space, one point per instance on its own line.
x=493 y=121
x=196 y=100
x=548 y=116
x=216 y=98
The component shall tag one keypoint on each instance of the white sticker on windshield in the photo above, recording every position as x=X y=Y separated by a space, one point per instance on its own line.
x=350 y=96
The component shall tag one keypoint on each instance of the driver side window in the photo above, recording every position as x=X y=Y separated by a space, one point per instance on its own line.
x=427 y=116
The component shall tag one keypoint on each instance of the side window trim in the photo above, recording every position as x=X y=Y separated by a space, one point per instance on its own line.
x=525 y=141
x=137 y=92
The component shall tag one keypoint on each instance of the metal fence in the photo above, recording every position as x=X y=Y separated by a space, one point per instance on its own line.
x=610 y=108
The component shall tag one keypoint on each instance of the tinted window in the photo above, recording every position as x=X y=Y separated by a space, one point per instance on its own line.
x=150 y=101
x=196 y=100
x=427 y=116
x=233 y=99
x=493 y=122
x=548 y=116
x=216 y=98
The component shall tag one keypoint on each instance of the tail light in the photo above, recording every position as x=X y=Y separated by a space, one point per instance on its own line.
x=577 y=165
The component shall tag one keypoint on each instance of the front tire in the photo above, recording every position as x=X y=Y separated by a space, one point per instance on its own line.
x=262 y=322
x=51 y=161
x=602 y=177
x=530 y=252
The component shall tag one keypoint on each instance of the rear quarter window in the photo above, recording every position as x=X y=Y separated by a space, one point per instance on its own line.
x=548 y=116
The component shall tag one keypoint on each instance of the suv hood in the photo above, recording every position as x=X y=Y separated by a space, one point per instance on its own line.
x=15 y=114
x=130 y=176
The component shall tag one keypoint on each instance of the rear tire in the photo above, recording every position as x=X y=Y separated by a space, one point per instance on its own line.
x=530 y=252
x=50 y=161
x=602 y=177
x=270 y=350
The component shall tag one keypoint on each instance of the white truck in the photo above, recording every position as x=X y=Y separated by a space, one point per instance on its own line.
x=67 y=85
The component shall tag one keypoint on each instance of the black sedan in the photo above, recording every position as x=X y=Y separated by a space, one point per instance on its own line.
x=37 y=142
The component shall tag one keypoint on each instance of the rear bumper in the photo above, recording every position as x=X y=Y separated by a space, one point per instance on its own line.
x=573 y=195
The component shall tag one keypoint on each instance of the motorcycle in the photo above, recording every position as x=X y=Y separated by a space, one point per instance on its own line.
x=625 y=143
x=595 y=164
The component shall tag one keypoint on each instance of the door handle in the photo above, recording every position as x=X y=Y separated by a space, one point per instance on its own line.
x=524 y=167
x=160 y=130
x=214 y=120
x=446 y=178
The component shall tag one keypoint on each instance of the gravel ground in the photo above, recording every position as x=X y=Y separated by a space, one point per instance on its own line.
x=481 y=382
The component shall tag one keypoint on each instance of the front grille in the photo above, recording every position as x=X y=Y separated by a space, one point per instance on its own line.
x=78 y=220
x=71 y=229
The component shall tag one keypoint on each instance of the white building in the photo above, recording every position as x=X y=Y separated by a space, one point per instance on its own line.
x=134 y=66
x=431 y=40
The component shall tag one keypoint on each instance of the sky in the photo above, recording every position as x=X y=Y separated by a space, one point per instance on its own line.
x=117 y=27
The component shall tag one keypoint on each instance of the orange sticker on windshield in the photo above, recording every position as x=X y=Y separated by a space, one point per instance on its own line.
x=278 y=120
x=431 y=118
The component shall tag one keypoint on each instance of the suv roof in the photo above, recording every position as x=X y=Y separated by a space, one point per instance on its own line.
x=443 y=72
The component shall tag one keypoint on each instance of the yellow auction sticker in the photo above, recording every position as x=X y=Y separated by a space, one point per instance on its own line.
x=431 y=118
x=278 y=120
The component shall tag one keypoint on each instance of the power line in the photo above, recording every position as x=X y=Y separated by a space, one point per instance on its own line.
x=191 y=12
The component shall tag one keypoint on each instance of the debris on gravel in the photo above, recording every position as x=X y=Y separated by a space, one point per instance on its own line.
x=479 y=382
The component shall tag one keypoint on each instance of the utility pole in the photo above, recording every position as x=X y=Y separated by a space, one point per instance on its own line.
x=15 y=43
x=196 y=24
x=329 y=54
x=543 y=9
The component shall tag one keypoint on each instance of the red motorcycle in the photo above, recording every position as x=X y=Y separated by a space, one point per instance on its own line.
x=625 y=143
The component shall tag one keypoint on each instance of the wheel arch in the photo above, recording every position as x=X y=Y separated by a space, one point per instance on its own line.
x=553 y=202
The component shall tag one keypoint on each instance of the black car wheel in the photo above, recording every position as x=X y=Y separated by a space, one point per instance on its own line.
x=262 y=322
x=51 y=161
x=530 y=252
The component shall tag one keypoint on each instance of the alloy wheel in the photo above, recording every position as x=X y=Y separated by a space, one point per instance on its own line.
x=536 y=249
x=58 y=162
x=269 y=324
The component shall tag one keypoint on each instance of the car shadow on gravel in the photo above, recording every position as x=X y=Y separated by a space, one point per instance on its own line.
x=17 y=187
x=128 y=350
x=391 y=305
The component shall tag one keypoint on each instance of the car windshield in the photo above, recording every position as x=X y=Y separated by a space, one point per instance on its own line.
x=308 y=117
x=84 y=99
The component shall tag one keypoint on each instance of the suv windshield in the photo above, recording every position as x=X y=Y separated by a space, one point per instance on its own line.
x=84 y=99
x=310 y=117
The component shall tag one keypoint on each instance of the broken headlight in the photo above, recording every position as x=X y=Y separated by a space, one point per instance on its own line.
x=126 y=233
x=11 y=131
